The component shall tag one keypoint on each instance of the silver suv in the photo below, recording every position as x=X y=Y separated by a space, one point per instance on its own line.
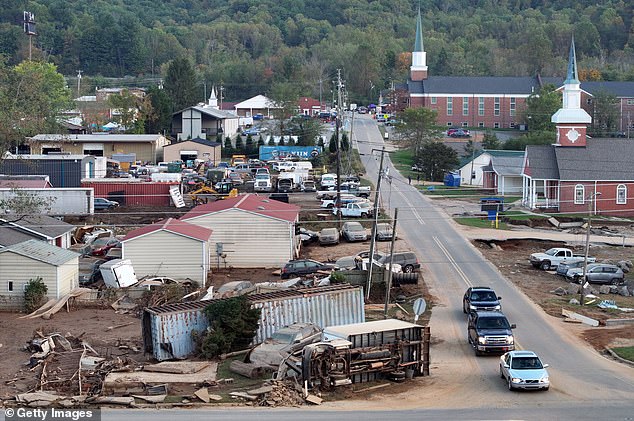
x=598 y=273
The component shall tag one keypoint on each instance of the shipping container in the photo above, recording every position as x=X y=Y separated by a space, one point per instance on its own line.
x=167 y=330
x=58 y=201
x=132 y=192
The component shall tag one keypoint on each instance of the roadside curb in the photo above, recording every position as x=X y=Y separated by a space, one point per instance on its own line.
x=615 y=355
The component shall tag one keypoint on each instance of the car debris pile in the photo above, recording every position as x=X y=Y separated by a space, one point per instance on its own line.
x=275 y=393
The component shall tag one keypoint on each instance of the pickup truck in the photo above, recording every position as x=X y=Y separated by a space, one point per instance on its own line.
x=363 y=209
x=551 y=258
x=352 y=188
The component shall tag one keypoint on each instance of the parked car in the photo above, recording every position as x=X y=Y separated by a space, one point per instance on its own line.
x=304 y=267
x=328 y=236
x=100 y=246
x=307 y=236
x=362 y=110
x=406 y=259
x=458 y=133
x=480 y=298
x=490 y=331
x=384 y=232
x=284 y=342
x=524 y=370
x=235 y=179
x=253 y=131
x=308 y=185
x=89 y=270
x=417 y=168
x=101 y=203
x=598 y=273
x=354 y=231
x=563 y=268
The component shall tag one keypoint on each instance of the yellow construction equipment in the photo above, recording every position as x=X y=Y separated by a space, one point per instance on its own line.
x=204 y=194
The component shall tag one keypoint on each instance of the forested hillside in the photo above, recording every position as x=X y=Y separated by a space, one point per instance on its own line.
x=250 y=44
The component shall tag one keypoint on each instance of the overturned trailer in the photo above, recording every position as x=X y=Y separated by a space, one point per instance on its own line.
x=362 y=352
x=167 y=330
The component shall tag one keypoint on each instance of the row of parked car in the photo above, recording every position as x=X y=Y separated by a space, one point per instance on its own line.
x=489 y=331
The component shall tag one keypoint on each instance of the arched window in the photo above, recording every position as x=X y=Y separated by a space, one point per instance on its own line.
x=580 y=194
x=621 y=194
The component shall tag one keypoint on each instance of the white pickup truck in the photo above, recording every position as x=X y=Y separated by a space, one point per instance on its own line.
x=551 y=258
x=363 y=209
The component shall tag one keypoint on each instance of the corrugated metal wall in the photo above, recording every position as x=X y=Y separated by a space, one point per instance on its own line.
x=167 y=330
x=142 y=193
x=62 y=173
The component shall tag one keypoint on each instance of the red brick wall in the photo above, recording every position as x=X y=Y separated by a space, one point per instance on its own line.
x=473 y=119
x=605 y=203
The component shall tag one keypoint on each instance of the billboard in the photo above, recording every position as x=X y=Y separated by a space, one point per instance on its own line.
x=268 y=153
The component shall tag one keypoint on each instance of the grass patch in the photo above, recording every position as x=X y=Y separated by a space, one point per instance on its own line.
x=626 y=352
x=468 y=192
x=480 y=222
x=403 y=159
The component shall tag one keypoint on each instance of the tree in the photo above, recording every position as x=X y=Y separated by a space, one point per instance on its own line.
x=418 y=127
x=161 y=117
x=531 y=138
x=469 y=148
x=540 y=107
x=345 y=144
x=332 y=145
x=260 y=141
x=233 y=324
x=34 y=294
x=181 y=84
x=285 y=97
x=606 y=113
x=437 y=159
x=490 y=141
x=227 y=150
x=32 y=95
x=127 y=106
x=249 y=148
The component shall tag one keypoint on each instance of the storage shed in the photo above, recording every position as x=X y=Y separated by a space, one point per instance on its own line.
x=252 y=230
x=19 y=263
x=167 y=330
x=171 y=248
x=190 y=150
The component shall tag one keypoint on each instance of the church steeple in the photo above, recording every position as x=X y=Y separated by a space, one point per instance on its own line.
x=213 y=100
x=571 y=120
x=418 y=70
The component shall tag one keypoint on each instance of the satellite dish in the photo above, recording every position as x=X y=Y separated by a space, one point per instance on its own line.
x=419 y=308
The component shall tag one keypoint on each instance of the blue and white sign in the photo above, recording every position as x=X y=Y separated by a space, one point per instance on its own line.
x=268 y=153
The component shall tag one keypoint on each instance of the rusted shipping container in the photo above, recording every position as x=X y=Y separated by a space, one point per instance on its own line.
x=133 y=193
x=167 y=330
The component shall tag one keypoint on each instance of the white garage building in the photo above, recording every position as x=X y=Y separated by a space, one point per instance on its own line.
x=252 y=230
x=171 y=248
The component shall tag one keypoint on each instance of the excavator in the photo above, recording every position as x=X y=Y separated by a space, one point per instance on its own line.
x=203 y=193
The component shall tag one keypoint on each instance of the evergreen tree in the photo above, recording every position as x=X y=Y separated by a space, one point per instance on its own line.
x=490 y=141
x=320 y=142
x=332 y=145
x=437 y=159
x=181 y=84
x=260 y=141
x=227 y=150
x=345 y=144
x=161 y=118
x=282 y=142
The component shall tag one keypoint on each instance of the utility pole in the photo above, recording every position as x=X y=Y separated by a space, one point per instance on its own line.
x=29 y=30
x=337 y=123
x=221 y=89
x=591 y=199
x=321 y=104
x=78 y=82
x=388 y=284
x=376 y=218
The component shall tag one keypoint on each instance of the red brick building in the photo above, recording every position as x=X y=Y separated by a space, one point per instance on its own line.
x=492 y=102
x=579 y=174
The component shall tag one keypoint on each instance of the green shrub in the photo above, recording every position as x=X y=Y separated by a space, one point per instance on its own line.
x=232 y=326
x=35 y=294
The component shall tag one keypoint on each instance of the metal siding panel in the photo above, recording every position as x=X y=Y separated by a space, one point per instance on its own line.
x=164 y=253
x=137 y=193
x=176 y=327
x=62 y=173
x=257 y=241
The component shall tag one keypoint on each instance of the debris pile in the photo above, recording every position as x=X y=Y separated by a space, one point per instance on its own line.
x=274 y=393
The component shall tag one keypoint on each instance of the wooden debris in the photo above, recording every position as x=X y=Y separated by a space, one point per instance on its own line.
x=401 y=307
x=53 y=306
x=314 y=399
x=202 y=394
x=178 y=367
x=151 y=398
x=569 y=320
x=576 y=316
x=243 y=395
x=114 y=400
x=109 y=328
x=378 y=386
x=261 y=390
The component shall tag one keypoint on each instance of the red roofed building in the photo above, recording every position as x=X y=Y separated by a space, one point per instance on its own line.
x=170 y=248
x=250 y=230
x=309 y=106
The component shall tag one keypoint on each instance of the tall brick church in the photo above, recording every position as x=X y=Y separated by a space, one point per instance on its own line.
x=489 y=101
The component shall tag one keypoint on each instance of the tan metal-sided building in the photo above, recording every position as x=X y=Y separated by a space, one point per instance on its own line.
x=19 y=263
x=206 y=150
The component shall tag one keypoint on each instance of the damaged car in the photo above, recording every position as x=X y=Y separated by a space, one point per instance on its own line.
x=284 y=342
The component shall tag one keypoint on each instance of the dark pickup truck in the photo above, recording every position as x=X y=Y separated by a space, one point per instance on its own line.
x=489 y=332
x=480 y=298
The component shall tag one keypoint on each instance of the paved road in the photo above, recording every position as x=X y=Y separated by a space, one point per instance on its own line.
x=452 y=264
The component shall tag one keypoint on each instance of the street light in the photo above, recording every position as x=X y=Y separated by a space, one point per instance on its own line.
x=591 y=200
